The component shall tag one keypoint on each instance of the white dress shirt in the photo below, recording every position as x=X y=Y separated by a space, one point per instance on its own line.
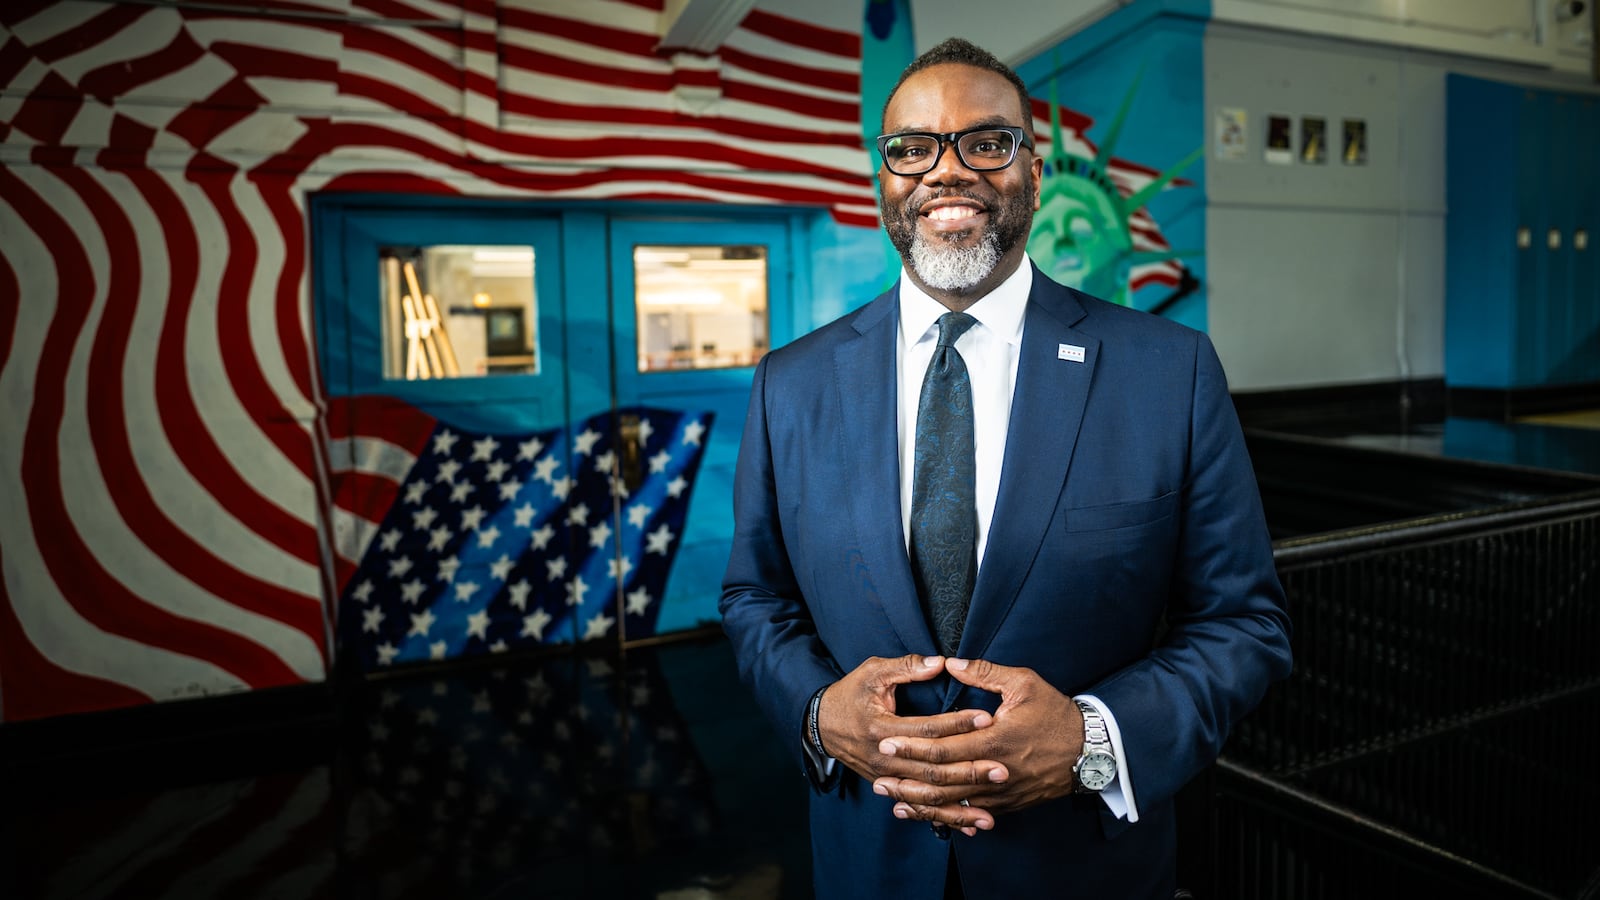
x=991 y=350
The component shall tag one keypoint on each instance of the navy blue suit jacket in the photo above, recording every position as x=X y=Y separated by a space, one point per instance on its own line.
x=1128 y=558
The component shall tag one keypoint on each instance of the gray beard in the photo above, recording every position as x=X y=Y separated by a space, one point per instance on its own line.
x=946 y=268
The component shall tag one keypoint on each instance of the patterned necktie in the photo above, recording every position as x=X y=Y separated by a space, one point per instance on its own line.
x=944 y=508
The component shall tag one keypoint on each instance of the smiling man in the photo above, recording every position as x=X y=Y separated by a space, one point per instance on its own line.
x=1000 y=574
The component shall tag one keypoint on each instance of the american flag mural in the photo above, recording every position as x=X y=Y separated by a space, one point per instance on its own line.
x=178 y=519
x=453 y=543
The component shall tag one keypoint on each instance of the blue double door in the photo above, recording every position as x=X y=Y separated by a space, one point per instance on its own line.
x=551 y=470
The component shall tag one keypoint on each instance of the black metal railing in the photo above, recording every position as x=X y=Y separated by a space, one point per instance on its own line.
x=1442 y=721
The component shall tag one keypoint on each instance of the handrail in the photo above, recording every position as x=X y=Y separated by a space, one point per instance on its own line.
x=1318 y=547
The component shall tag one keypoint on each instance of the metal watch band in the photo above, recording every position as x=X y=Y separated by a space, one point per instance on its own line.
x=1095 y=736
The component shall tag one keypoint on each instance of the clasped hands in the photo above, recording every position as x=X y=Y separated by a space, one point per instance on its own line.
x=1021 y=755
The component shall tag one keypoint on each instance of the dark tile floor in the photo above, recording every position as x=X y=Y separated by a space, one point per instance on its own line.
x=652 y=776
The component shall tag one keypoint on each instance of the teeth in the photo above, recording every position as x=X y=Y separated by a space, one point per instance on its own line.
x=952 y=212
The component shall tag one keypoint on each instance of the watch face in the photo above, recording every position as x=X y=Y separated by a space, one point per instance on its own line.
x=1096 y=770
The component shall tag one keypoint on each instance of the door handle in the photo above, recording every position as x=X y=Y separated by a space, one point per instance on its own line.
x=631 y=463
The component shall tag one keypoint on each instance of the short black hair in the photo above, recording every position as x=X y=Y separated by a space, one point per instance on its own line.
x=960 y=50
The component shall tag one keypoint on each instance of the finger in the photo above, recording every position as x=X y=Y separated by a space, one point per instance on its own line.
x=953 y=814
x=957 y=748
x=943 y=725
x=981 y=673
x=928 y=793
x=905 y=669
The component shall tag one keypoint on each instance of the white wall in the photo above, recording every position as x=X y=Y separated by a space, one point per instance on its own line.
x=1332 y=274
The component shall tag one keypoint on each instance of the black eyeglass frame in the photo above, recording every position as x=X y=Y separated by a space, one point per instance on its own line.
x=1019 y=136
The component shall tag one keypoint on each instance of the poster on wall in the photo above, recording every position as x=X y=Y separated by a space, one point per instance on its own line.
x=1231 y=127
x=1355 y=142
x=1313 y=140
x=1280 y=141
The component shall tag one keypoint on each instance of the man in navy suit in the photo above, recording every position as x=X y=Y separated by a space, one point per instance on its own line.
x=1125 y=614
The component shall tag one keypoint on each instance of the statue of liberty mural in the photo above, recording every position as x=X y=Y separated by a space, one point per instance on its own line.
x=1082 y=235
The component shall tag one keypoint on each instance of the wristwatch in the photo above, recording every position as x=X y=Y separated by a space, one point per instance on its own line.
x=1096 y=766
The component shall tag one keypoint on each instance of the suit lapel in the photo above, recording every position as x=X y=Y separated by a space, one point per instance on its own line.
x=1047 y=409
x=867 y=386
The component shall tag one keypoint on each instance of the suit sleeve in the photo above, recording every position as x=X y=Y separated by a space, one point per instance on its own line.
x=1227 y=636
x=781 y=659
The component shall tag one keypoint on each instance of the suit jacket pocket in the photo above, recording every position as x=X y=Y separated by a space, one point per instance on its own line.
x=1120 y=515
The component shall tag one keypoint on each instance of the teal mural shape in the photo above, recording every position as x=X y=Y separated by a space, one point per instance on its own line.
x=1082 y=234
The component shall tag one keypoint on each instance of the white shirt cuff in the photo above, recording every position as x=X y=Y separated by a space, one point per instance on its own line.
x=1118 y=795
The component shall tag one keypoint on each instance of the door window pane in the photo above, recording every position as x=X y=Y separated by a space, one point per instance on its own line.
x=454 y=311
x=700 y=307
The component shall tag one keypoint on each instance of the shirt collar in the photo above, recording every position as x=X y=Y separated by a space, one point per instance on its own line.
x=1000 y=311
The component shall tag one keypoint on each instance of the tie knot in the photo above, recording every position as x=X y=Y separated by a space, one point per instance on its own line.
x=952 y=326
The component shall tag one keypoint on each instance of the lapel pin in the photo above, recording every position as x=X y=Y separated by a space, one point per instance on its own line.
x=1069 y=352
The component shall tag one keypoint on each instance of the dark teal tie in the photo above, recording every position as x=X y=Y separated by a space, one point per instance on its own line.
x=944 y=507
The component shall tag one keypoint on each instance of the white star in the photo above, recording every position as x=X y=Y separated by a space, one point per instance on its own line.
x=465 y=590
x=423 y=518
x=529 y=449
x=444 y=441
x=472 y=518
x=598 y=535
x=575 y=591
x=487 y=538
x=415 y=490
x=500 y=569
x=438 y=539
x=499 y=646
x=598 y=626
x=533 y=625
x=496 y=470
x=692 y=432
x=638 y=602
x=638 y=514
x=460 y=492
x=658 y=463
x=584 y=444
x=412 y=590
x=483 y=450
x=556 y=567
x=436 y=650
x=449 y=565
x=399 y=566
x=561 y=488
x=389 y=540
x=645 y=430
x=606 y=462
x=519 y=594
x=659 y=540
x=386 y=653
x=619 y=568
x=478 y=625
x=675 y=486
x=363 y=591
x=541 y=538
x=371 y=619
x=447 y=471
x=545 y=469
x=524 y=515
x=421 y=623
x=619 y=488
x=509 y=489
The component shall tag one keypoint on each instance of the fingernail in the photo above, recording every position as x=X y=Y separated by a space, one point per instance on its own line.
x=901 y=812
x=985 y=824
x=929 y=662
x=879 y=789
x=981 y=720
x=887 y=748
x=955 y=664
x=997 y=775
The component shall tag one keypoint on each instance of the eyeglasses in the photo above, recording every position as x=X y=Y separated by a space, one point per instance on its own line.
x=979 y=149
